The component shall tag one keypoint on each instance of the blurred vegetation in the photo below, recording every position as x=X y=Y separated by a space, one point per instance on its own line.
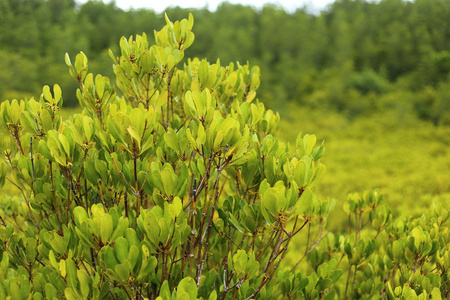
x=407 y=159
x=369 y=78
x=354 y=57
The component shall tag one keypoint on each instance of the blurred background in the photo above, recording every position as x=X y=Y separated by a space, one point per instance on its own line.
x=369 y=78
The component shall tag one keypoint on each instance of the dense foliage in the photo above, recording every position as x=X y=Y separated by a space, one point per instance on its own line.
x=356 y=57
x=179 y=189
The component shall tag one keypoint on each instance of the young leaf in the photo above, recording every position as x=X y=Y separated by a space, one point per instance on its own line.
x=121 y=249
x=187 y=285
x=106 y=228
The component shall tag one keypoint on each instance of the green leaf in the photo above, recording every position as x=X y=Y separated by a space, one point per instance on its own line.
x=149 y=263
x=50 y=291
x=148 y=143
x=52 y=258
x=418 y=235
x=164 y=230
x=318 y=152
x=240 y=263
x=124 y=46
x=348 y=250
x=409 y=255
x=335 y=275
x=122 y=225
x=62 y=268
x=171 y=140
x=67 y=59
x=102 y=169
x=436 y=294
x=15 y=291
x=91 y=174
x=187 y=285
x=100 y=85
x=77 y=135
x=323 y=284
x=273 y=200
x=85 y=282
x=123 y=270
x=106 y=228
x=121 y=249
x=13 y=111
x=9 y=231
x=114 y=130
x=397 y=250
x=183 y=296
x=217 y=141
x=165 y=291
x=167 y=181
x=30 y=249
x=37 y=296
x=319 y=173
x=310 y=141
x=133 y=256
x=46 y=93
x=27 y=122
x=166 y=17
x=72 y=279
x=135 y=135
x=300 y=171
x=58 y=156
x=88 y=127
x=203 y=71
x=46 y=121
x=70 y=294
x=109 y=257
x=213 y=295
x=65 y=144
x=58 y=93
x=43 y=149
x=235 y=223
x=84 y=238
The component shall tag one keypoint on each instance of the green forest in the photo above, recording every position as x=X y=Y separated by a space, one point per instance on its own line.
x=355 y=57
x=360 y=89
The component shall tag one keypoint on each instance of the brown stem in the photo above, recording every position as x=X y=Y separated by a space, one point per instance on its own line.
x=32 y=162
x=169 y=97
x=353 y=283
x=200 y=266
x=314 y=245
x=100 y=187
x=172 y=264
x=268 y=269
x=125 y=200
x=271 y=239
x=68 y=202
x=348 y=280
x=121 y=175
x=27 y=202
x=86 y=193
x=14 y=131
x=3 y=221
x=136 y=185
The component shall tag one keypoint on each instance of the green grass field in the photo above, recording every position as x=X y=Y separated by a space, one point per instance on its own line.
x=408 y=160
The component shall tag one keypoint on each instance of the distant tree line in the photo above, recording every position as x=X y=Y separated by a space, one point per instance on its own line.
x=355 y=57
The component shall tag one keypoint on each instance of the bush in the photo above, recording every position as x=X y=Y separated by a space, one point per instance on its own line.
x=179 y=190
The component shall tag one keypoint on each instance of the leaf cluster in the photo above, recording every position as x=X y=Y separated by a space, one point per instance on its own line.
x=177 y=189
x=180 y=189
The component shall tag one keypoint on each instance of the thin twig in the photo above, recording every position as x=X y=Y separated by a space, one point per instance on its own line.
x=27 y=202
